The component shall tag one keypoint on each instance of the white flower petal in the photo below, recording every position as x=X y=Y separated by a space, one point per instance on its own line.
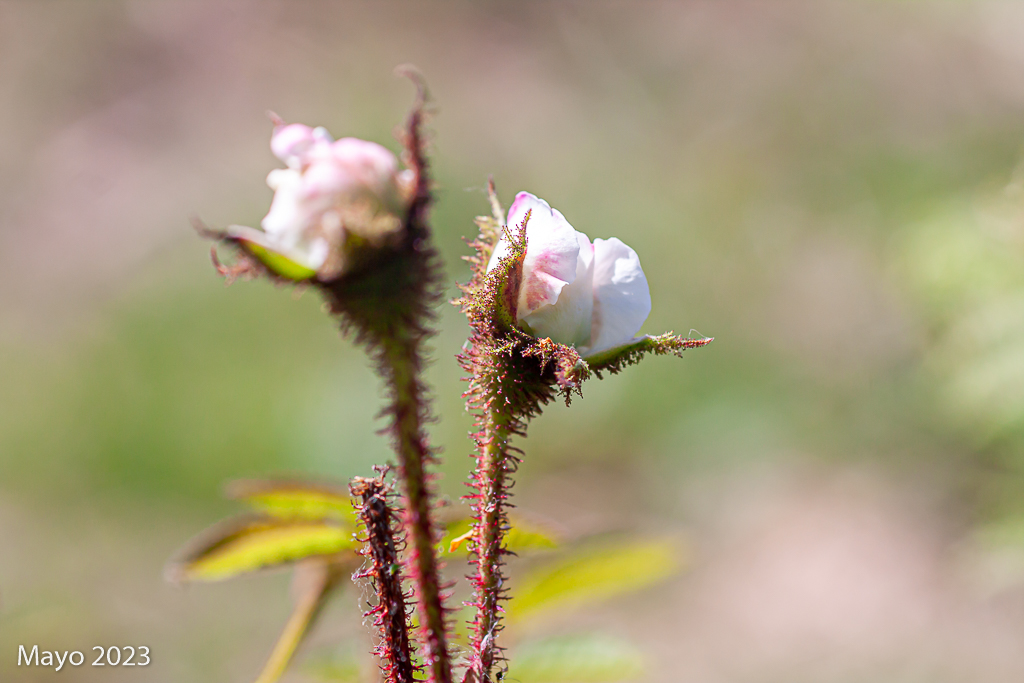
x=551 y=252
x=568 y=322
x=371 y=163
x=326 y=180
x=292 y=143
x=320 y=134
x=352 y=170
x=622 y=299
x=325 y=183
x=288 y=214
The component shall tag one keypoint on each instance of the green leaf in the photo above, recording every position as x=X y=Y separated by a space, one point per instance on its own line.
x=296 y=499
x=244 y=545
x=524 y=536
x=594 y=574
x=579 y=659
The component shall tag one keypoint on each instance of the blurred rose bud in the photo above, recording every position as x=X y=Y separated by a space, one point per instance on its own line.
x=334 y=198
x=593 y=296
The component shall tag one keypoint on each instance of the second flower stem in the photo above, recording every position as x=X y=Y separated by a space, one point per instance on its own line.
x=495 y=463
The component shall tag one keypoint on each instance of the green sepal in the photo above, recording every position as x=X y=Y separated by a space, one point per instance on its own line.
x=506 y=279
x=490 y=234
x=494 y=296
x=276 y=262
x=570 y=371
x=614 y=360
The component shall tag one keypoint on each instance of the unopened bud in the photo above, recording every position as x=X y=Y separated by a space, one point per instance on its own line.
x=334 y=198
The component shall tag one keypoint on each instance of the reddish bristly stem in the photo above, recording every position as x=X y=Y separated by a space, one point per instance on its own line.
x=383 y=543
x=511 y=376
x=414 y=455
x=409 y=411
x=503 y=403
x=388 y=305
x=492 y=481
x=501 y=406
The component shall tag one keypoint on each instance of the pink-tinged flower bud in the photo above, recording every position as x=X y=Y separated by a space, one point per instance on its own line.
x=333 y=195
x=593 y=296
x=293 y=142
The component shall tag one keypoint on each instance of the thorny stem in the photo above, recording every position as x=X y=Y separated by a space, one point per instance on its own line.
x=413 y=453
x=382 y=548
x=389 y=306
x=503 y=399
x=494 y=463
x=511 y=376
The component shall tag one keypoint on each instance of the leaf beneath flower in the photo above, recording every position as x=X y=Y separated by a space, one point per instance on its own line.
x=295 y=499
x=247 y=544
x=594 y=574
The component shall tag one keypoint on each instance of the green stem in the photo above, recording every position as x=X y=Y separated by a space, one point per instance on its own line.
x=305 y=612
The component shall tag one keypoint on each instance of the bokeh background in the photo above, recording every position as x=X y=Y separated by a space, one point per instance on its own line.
x=833 y=190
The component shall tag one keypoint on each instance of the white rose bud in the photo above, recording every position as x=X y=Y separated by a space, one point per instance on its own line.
x=331 y=192
x=593 y=296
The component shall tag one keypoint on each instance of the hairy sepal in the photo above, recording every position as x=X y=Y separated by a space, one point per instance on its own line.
x=491 y=298
x=285 y=266
x=616 y=359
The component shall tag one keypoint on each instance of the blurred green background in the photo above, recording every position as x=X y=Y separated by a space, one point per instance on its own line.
x=833 y=190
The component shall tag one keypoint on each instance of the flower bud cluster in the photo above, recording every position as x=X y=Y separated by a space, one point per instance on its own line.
x=548 y=308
